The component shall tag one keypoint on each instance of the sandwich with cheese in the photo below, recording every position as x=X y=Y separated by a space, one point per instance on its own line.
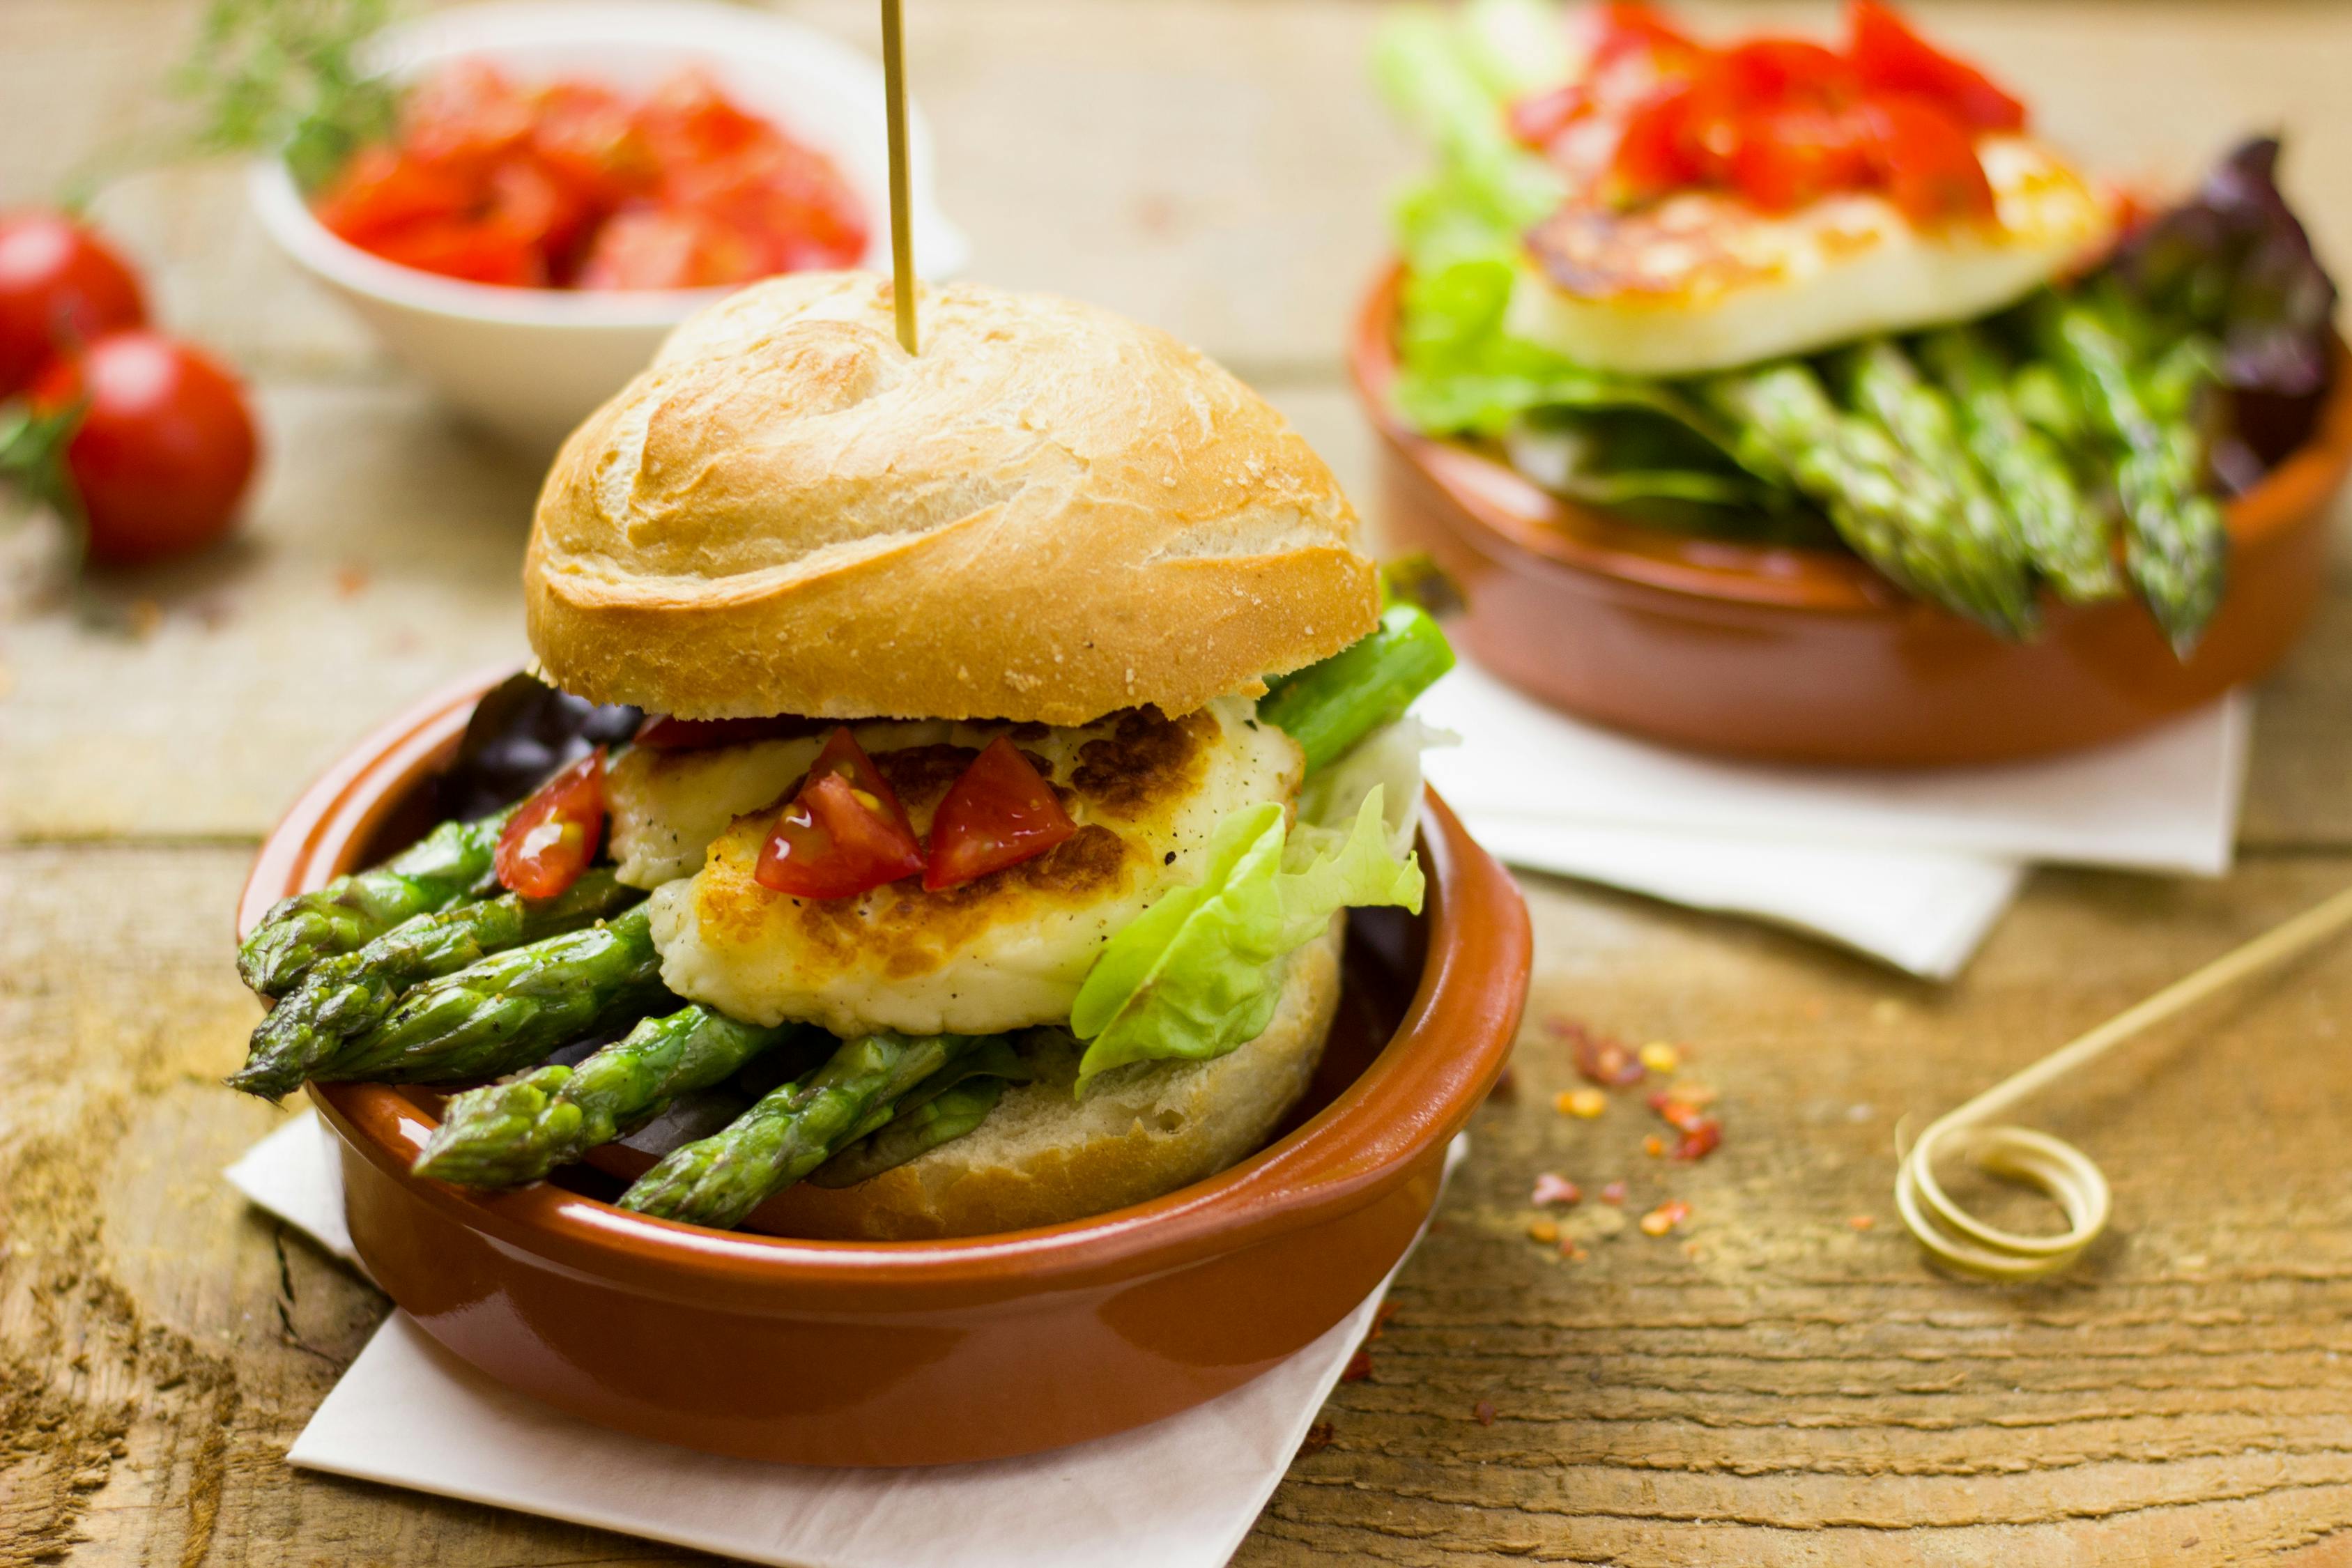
x=1836 y=293
x=1013 y=724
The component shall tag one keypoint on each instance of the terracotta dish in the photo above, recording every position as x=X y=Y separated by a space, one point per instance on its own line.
x=1808 y=655
x=925 y=1352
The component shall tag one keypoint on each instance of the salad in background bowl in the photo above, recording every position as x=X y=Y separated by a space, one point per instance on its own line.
x=1823 y=325
x=522 y=199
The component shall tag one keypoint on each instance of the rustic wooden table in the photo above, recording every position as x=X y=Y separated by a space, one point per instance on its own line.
x=1782 y=1382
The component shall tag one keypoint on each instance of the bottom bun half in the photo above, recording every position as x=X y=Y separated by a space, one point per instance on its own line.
x=1043 y=1157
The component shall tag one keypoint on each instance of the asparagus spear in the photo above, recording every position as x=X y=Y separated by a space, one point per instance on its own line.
x=511 y=1009
x=350 y=994
x=943 y=1119
x=942 y=1108
x=715 y=1180
x=1895 y=514
x=2064 y=529
x=2174 y=544
x=1887 y=387
x=505 y=1134
x=447 y=865
x=1329 y=706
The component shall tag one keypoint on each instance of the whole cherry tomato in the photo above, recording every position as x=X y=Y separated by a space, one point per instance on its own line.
x=999 y=814
x=59 y=284
x=843 y=834
x=162 y=447
x=552 y=836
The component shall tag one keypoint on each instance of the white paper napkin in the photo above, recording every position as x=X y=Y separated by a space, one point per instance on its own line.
x=1181 y=1493
x=1913 y=865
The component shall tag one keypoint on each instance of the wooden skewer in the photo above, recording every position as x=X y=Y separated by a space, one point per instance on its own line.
x=2059 y=1169
x=902 y=239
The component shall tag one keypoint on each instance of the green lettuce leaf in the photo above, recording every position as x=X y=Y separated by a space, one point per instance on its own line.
x=1201 y=972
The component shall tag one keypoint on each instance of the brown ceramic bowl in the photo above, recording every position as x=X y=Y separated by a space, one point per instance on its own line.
x=1809 y=655
x=923 y=1353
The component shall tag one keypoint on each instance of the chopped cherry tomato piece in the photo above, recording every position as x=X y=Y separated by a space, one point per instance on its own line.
x=547 y=843
x=1892 y=59
x=661 y=732
x=1925 y=159
x=1661 y=149
x=1795 y=154
x=843 y=834
x=999 y=814
x=1772 y=71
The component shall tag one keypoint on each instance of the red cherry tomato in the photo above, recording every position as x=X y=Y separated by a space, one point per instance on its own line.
x=1925 y=159
x=381 y=192
x=843 y=834
x=663 y=247
x=998 y=814
x=549 y=841
x=1660 y=149
x=160 y=454
x=1798 y=153
x=1891 y=58
x=60 y=285
x=1764 y=72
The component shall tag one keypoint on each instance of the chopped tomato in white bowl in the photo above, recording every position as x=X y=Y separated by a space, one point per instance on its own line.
x=530 y=361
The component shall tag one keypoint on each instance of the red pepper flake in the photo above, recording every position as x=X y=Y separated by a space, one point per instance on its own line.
x=1611 y=1064
x=1700 y=1140
x=1359 y=1366
x=1381 y=1321
x=1572 y=1251
x=1653 y=1145
x=1862 y=1221
x=1614 y=1193
x=1485 y=1412
x=1552 y=1188
x=1699 y=1132
x=1665 y=1217
x=1319 y=1438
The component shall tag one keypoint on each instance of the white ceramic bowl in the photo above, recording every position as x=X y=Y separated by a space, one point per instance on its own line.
x=530 y=364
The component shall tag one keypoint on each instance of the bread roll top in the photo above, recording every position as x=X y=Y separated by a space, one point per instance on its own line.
x=1049 y=513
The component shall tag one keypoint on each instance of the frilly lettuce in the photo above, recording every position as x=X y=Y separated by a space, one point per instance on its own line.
x=1201 y=972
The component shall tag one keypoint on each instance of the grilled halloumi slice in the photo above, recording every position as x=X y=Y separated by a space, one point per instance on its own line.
x=1005 y=951
x=1703 y=282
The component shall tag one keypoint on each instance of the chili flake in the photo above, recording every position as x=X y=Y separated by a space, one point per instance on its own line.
x=1665 y=1217
x=1555 y=1189
x=1485 y=1412
x=1659 y=1056
x=1614 y=1193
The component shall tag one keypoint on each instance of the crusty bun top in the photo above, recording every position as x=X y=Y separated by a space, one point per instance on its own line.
x=1049 y=513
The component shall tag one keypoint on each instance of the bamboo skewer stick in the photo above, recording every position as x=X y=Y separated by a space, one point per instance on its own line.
x=2057 y=1168
x=902 y=239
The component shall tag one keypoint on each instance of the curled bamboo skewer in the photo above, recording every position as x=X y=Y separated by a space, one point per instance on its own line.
x=2055 y=1167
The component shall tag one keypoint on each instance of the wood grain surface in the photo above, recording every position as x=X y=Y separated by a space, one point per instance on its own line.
x=1778 y=1381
